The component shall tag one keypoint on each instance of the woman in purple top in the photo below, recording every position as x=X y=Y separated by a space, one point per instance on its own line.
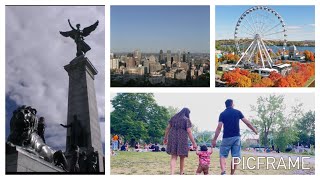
x=176 y=138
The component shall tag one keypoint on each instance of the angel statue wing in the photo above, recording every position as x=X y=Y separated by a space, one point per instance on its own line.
x=71 y=33
x=86 y=31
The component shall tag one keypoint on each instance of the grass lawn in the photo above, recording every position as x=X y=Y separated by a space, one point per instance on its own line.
x=219 y=73
x=151 y=163
x=310 y=82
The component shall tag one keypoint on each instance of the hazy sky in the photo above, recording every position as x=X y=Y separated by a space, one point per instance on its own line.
x=151 y=28
x=206 y=107
x=36 y=54
x=299 y=20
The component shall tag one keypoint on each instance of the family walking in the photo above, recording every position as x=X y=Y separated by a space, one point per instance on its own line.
x=179 y=130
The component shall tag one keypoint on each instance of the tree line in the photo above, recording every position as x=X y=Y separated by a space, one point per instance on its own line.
x=280 y=129
x=137 y=116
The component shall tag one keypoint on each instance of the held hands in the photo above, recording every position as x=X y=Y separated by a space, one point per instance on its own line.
x=214 y=143
x=194 y=145
x=165 y=141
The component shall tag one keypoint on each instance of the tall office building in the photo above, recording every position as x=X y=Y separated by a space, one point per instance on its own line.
x=115 y=63
x=184 y=57
x=161 y=58
x=130 y=62
x=179 y=56
x=188 y=57
x=137 y=56
x=168 y=58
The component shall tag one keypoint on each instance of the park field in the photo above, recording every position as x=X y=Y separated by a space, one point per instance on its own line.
x=158 y=163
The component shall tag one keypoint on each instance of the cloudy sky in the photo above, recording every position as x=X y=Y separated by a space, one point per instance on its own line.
x=36 y=54
x=206 y=107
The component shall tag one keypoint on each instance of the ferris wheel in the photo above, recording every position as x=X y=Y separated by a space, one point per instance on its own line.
x=260 y=36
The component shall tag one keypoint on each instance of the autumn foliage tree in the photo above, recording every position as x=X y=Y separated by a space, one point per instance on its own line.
x=298 y=76
x=229 y=57
x=244 y=81
x=309 y=56
x=255 y=78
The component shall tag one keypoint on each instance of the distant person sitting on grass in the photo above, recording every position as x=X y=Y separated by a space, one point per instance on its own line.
x=123 y=147
x=229 y=119
x=176 y=138
x=151 y=147
x=156 y=148
x=204 y=160
x=137 y=147
x=163 y=149
x=146 y=148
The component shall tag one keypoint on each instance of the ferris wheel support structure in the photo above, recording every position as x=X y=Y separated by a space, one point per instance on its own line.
x=256 y=31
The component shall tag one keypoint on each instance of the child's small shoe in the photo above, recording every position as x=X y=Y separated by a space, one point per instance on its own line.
x=223 y=173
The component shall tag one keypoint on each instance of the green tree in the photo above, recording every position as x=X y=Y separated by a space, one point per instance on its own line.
x=172 y=111
x=284 y=137
x=137 y=116
x=287 y=132
x=306 y=129
x=269 y=113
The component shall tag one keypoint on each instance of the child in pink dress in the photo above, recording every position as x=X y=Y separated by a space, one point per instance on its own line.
x=204 y=160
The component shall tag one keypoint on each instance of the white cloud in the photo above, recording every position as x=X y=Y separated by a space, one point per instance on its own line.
x=36 y=54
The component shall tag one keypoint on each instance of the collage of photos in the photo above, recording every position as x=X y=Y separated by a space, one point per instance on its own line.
x=114 y=88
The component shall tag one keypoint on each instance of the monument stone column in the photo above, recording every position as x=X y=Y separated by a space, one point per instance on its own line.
x=82 y=103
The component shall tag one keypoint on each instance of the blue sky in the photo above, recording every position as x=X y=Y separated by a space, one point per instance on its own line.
x=151 y=28
x=299 y=20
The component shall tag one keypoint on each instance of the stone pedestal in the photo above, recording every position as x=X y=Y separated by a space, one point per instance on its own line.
x=82 y=103
x=20 y=160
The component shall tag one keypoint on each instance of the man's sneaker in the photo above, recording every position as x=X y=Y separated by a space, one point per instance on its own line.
x=223 y=173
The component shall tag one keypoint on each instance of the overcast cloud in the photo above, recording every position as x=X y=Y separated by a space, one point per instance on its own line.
x=36 y=54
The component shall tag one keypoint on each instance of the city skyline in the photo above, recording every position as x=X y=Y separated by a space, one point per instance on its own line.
x=153 y=27
x=157 y=52
x=300 y=26
x=165 y=68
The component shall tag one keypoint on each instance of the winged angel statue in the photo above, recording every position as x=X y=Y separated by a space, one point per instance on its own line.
x=77 y=35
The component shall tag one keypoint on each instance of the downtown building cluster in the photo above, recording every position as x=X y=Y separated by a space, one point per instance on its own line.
x=158 y=68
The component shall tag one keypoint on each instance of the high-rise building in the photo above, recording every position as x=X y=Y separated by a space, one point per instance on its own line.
x=115 y=63
x=168 y=58
x=130 y=62
x=168 y=55
x=146 y=66
x=184 y=57
x=152 y=58
x=161 y=58
x=137 y=56
x=188 y=57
